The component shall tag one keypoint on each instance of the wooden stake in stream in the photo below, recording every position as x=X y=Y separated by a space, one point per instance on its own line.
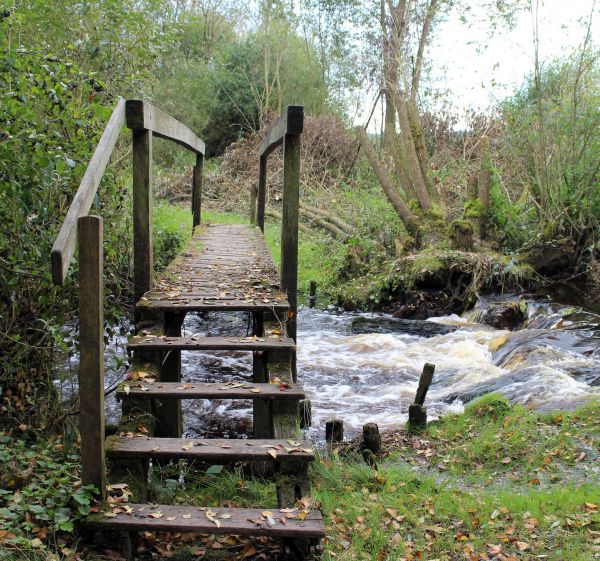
x=334 y=431
x=417 y=412
x=312 y=294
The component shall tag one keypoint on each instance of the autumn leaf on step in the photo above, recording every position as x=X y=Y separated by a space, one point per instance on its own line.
x=157 y=514
x=126 y=389
x=273 y=453
x=211 y=516
x=171 y=518
x=187 y=446
x=269 y=516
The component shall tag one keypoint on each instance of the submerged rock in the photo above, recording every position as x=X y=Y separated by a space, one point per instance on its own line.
x=420 y=328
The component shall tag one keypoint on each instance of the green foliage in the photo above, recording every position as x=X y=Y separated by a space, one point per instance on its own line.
x=41 y=491
x=171 y=230
x=52 y=115
x=554 y=127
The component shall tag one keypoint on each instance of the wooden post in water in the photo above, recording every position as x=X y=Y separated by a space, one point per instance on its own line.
x=197 y=191
x=312 y=294
x=91 y=352
x=417 y=412
x=334 y=431
x=142 y=212
x=262 y=192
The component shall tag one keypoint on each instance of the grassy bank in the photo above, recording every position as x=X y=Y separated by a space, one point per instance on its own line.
x=496 y=483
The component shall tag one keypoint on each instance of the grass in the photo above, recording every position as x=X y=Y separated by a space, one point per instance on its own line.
x=448 y=493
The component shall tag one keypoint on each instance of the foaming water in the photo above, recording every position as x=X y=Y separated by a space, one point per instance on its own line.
x=552 y=362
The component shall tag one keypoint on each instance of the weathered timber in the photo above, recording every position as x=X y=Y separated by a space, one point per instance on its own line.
x=169 y=414
x=372 y=438
x=210 y=450
x=91 y=349
x=197 y=191
x=417 y=412
x=195 y=343
x=333 y=218
x=289 y=228
x=232 y=521
x=305 y=406
x=224 y=267
x=326 y=225
x=64 y=245
x=277 y=216
x=261 y=192
x=143 y=266
x=142 y=115
x=424 y=383
x=291 y=123
x=334 y=431
x=224 y=390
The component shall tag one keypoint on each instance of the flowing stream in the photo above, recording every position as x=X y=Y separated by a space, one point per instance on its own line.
x=551 y=362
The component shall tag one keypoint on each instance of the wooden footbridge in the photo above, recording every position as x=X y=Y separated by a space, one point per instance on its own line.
x=225 y=268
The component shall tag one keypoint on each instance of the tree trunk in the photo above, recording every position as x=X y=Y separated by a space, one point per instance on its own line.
x=383 y=176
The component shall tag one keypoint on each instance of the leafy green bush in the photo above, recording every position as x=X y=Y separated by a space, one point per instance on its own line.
x=51 y=117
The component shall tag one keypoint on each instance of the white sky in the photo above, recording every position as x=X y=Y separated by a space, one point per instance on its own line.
x=478 y=79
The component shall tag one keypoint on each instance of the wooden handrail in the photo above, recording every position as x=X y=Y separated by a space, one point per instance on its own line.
x=142 y=115
x=290 y=123
x=139 y=116
x=64 y=245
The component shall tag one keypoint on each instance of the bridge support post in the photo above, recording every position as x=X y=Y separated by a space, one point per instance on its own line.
x=262 y=192
x=142 y=212
x=197 y=191
x=91 y=357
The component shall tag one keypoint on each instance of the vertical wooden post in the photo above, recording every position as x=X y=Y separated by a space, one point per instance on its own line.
x=142 y=212
x=197 y=190
x=312 y=294
x=91 y=352
x=417 y=412
x=262 y=192
x=253 y=194
x=289 y=227
x=169 y=415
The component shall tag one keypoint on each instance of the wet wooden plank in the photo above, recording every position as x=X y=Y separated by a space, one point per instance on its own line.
x=225 y=267
x=201 y=520
x=213 y=450
x=195 y=343
x=231 y=390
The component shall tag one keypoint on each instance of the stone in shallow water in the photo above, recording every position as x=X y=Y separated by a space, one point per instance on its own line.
x=417 y=327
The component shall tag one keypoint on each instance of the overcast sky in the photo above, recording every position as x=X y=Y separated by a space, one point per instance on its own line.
x=478 y=79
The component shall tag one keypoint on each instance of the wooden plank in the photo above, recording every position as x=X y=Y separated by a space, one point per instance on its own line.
x=290 y=123
x=142 y=212
x=64 y=245
x=289 y=228
x=262 y=188
x=232 y=521
x=195 y=343
x=91 y=352
x=142 y=115
x=224 y=267
x=197 y=191
x=212 y=450
x=158 y=390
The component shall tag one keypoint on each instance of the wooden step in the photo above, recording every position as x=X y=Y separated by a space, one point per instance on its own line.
x=229 y=390
x=287 y=523
x=221 y=450
x=197 y=343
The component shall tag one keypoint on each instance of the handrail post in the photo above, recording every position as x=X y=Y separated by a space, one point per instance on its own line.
x=262 y=188
x=197 y=191
x=289 y=226
x=91 y=352
x=142 y=212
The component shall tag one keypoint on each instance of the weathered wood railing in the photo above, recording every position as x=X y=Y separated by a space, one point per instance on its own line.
x=285 y=131
x=145 y=121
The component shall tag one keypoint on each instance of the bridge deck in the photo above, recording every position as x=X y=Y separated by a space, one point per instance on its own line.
x=225 y=267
